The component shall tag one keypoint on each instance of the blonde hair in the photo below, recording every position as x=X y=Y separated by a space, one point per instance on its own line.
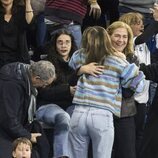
x=131 y=18
x=21 y=140
x=118 y=24
x=97 y=44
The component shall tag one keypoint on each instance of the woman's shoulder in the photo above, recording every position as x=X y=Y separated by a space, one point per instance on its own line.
x=78 y=54
x=79 y=51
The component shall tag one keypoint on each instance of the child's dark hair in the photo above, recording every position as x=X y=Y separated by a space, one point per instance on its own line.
x=59 y=32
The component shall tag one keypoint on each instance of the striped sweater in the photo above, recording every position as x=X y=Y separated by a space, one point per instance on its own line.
x=105 y=90
x=71 y=10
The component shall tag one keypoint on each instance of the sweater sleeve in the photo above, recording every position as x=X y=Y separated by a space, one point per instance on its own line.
x=132 y=78
x=77 y=60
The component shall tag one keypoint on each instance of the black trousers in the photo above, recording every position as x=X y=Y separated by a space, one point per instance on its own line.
x=150 y=138
x=124 y=141
x=140 y=119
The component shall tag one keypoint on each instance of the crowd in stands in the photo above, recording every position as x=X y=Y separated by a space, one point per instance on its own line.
x=78 y=79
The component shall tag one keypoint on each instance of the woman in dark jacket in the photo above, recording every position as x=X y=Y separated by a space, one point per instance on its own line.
x=61 y=91
x=53 y=100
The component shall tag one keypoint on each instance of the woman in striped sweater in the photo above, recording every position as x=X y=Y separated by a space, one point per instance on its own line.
x=97 y=98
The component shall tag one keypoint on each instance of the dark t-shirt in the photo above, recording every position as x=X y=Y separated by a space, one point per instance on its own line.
x=10 y=32
x=9 y=39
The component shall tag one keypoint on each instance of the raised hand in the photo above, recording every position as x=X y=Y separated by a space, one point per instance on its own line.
x=95 y=10
x=34 y=137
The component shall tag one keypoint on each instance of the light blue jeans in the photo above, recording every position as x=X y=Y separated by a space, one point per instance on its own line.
x=55 y=116
x=40 y=30
x=91 y=123
x=76 y=32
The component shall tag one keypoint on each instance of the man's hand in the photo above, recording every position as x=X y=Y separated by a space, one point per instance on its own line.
x=34 y=137
x=72 y=90
x=95 y=10
x=154 y=11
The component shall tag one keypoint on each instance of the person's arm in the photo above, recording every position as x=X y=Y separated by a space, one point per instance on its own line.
x=77 y=63
x=150 y=71
x=28 y=11
x=95 y=9
x=92 y=69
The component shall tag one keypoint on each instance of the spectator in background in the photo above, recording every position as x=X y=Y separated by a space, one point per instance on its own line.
x=18 y=84
x=141 y=36
x=22 y=148
x=109 y=14
x=150 y=137
x=141 y=6
x=13 y=23
x=153 y=48
x=53 y=100
x=69 y=14
x=135 y=21
x=35 y=33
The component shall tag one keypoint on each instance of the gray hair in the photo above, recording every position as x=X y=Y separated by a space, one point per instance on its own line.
x=44 y=69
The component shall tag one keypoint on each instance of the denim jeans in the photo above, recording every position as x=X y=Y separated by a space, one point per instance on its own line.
x=53 y=115
x=41 y=30
x=91 y=123
x=76 y=32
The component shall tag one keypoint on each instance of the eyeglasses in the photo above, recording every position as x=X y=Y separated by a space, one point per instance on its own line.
x=64 y=43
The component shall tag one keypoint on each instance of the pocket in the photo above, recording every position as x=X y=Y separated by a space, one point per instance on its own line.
x=75 y=119
x=102 y=122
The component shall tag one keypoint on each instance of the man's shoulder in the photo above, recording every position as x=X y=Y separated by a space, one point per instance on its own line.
x=13 y=71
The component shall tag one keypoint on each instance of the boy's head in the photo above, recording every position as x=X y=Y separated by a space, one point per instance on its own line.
x=22 y=148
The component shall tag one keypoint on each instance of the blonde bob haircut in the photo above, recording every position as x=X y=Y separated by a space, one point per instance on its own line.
x=131 y=18
x=97 y=44
x=119 y=24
